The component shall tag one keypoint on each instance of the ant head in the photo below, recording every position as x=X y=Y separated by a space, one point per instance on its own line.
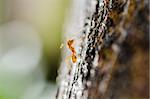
x=70 y=42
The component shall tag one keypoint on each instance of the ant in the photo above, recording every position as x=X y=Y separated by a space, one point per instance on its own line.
x=73 y=56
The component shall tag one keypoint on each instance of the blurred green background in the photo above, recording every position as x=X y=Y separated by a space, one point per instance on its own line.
x=30 y=39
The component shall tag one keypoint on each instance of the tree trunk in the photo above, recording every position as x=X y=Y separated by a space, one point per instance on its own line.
x=111 y=49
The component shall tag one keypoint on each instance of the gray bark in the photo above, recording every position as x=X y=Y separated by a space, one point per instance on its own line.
x=112 y=37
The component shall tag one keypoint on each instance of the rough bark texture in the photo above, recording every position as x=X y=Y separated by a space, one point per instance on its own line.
x=112 y=51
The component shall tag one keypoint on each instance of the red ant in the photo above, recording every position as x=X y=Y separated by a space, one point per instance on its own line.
x=73 y=56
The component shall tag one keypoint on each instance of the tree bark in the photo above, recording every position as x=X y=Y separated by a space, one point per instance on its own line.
x=111 y=49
